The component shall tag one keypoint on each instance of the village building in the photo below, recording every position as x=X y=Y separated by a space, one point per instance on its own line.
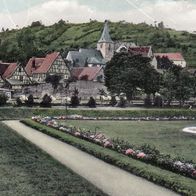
x=85 y=58
x=95 y=74
x=53 y=64
x=13 y=76
x=175 y=58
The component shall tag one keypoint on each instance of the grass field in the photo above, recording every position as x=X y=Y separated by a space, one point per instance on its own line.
x=26 y=170
x=165 y=136
x=168 y=179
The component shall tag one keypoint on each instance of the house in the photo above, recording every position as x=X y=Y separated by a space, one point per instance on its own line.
x=53 y=64
x=95 y=74
x=144 y=51
x=123 y=46
x=85 y=58
x=13 y=75
x=176 y=58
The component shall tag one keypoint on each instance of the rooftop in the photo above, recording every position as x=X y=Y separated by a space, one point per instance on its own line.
x=105 y=37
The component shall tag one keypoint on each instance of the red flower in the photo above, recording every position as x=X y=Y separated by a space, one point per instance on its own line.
x=129 y=152
x=141 y=155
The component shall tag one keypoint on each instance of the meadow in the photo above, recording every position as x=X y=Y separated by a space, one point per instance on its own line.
x=166 y=136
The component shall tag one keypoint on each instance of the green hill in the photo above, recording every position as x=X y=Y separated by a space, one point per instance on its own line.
x=64 y=36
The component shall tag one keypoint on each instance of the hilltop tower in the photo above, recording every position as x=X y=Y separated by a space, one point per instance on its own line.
x=105 y=44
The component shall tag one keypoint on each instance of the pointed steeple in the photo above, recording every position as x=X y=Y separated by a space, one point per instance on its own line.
x=105 y=37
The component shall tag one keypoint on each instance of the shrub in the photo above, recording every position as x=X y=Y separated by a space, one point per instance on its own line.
x=147 y=102
x=91 y=103
x=18 y=102
x=113 y=101
x=47 y=101
x=3 y=99
x=30 y=101
x=75 y=101
x=122 y=103
x=158 y=102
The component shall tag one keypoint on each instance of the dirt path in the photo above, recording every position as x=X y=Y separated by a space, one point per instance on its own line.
x=110 y=179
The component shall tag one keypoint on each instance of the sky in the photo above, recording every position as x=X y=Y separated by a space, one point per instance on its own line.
x=177 y=14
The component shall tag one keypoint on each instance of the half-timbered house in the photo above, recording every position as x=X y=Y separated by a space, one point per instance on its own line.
x=13 y=75
x=53 y=64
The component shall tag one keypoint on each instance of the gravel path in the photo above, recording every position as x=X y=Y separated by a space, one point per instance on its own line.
x=110 y=179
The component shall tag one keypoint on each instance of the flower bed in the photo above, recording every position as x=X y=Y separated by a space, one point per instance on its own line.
x=144 y=153
x=148 y=118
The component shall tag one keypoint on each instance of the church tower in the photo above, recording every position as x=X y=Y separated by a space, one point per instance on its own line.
x=105 y=44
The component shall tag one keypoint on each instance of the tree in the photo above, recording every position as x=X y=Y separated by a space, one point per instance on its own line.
x=184 y=87
x=36 y=24
x=30 y=101
x=177 y=84
x=54 y=80
x=26 y=45
x=91 y=103
x=168 y=86
x=125 y=73
x=46 y=101
x=74 y=99
x=164 y=62
x=3 y=99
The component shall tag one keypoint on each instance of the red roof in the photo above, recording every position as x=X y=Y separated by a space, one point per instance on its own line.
x=29 y=67
x=171 y=56
x=89 y=73
x=41 y=65
x=11 y=67
x=140 y=50
x=3 y=67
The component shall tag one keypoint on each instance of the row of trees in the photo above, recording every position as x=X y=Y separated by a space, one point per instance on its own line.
x=131 y=75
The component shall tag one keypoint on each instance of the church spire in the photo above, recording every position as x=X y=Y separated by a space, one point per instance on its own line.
x=105 y=37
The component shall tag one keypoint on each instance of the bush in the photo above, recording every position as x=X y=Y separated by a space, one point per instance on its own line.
x=3 y=99
x=75 y=101
x=18 y=102
x=46 y=102
x=113 y=101
x=91 y=103
x=122 y=103
x=158 y=102
x=30 y=101
x=147 y=102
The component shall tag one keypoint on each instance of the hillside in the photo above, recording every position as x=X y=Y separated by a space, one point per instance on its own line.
x=38 y=39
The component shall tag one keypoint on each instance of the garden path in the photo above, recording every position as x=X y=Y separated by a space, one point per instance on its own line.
x=110 y=179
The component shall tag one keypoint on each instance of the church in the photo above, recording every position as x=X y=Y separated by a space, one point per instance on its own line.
x=106 y=49
x=104 y=52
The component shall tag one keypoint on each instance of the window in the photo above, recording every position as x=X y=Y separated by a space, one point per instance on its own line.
x=21 y=78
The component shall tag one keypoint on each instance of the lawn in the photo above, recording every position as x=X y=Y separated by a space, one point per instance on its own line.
x=26 y=170
x=165 y=136
x=163 y=177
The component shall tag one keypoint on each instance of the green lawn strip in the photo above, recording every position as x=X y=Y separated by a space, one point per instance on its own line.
x=26 y=170
x=166 y=136
x=178 y=183
x=18 y=113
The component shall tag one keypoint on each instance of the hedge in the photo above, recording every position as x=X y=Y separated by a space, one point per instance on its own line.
x=175 y=182
x=18 y=113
